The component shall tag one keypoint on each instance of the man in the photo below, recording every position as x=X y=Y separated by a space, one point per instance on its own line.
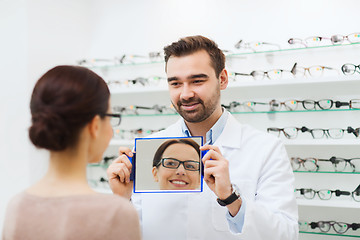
x=249 y=182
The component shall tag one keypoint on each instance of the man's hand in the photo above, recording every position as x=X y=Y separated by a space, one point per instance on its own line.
x=216 y=171
x=217 y=177
x=119 y=174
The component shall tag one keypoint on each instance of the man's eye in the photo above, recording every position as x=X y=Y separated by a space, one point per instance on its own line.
x=174 y=84
x=198 y=81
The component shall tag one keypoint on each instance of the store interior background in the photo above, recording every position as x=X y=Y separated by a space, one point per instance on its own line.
x=37 y=35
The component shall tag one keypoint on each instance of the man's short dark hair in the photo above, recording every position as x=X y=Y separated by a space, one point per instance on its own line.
x=188 y=45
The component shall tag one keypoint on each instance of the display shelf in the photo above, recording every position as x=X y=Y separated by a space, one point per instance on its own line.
x=141 y=63
x=330 y=234
x=329 y=142
x=308 y=49
x=326 y=172
x=140 y=89
x=115 y=66
x=247 y=112
x=340 y=79
x=329 y=203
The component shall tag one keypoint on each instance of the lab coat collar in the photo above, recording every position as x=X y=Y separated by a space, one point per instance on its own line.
x=227 y=137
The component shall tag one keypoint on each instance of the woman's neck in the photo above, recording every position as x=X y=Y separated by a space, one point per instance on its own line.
x=66 y=175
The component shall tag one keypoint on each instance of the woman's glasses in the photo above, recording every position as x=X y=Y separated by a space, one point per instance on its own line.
x=173 y=163
x=115 y=118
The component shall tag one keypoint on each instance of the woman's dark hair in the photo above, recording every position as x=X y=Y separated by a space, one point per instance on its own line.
x=188 y=45
x=63 y=101
x=159 y=152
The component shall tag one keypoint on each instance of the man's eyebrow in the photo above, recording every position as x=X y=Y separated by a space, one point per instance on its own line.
x=172 y=79
x=201 y=75
x=195 y=76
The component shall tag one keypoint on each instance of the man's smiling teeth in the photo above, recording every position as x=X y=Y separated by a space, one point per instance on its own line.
x=179 y=182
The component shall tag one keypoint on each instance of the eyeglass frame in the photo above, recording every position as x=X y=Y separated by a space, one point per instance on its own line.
x=333 y=160
x=295 y=67
x=302 y=129
x=303 y=41
x=113 y=115
x=353 y=226
x=339 y=104
x=247 y=45
x=325 y=132
x=337 y=192
x=343 y=68
x=180 y=162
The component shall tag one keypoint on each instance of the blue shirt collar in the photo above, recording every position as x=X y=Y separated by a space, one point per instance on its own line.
x=214 y=132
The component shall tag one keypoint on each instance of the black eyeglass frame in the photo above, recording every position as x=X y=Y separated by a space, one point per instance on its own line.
x=180 y=162
x=113 y=115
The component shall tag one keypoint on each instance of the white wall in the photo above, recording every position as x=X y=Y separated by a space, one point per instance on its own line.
x=141 y=26
x=35 y=36
x=38 y=34
x=14 y=94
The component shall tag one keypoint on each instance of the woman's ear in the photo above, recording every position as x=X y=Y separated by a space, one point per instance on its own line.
x=154 y=172
x=224 y=79
x=94 y=126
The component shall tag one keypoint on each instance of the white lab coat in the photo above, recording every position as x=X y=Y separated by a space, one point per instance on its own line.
x=259 y=166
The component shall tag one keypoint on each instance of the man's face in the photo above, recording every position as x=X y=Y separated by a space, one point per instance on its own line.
x=193 y=85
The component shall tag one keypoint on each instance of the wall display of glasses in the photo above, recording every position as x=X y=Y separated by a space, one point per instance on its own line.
x=306 y=94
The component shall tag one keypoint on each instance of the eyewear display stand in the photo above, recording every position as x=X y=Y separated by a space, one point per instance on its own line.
x=330 y=84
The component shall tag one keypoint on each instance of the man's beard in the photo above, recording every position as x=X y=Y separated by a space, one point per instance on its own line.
x=201 y=113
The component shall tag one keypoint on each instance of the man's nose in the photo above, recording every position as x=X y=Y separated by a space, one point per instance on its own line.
x=187 y=92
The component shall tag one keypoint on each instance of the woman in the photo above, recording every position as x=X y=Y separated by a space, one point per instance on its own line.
x=71 y=117
x=176 y=165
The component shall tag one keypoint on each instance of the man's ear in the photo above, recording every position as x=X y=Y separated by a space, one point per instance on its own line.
x=224 y=80
x=94 y=126
x=154 y=172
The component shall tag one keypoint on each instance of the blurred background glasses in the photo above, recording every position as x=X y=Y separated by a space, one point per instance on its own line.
x=136 y=109
x=289 y=105
x=289 y=132
x=339 y=227
x=323 y=104
x=256 y=46
x=130 y=134
x=323 y=194
x=316 y=133
x=318 y=41
x=313 y=164
x=309 y=164
x=274 y=74
x=97 y=62
x=314 y=71
x=173 y=163
x=353 y=104
x=235 y=106
x=350 y=69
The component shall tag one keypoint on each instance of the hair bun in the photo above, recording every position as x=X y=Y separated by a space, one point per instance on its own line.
x=49 y=131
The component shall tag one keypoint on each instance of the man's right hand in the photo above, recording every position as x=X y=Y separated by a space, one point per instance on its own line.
x=119 y=174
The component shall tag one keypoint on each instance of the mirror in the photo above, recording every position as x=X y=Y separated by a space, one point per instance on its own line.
x=168 y=165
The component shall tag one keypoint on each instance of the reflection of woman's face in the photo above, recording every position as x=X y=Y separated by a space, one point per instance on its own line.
x=178 y=179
